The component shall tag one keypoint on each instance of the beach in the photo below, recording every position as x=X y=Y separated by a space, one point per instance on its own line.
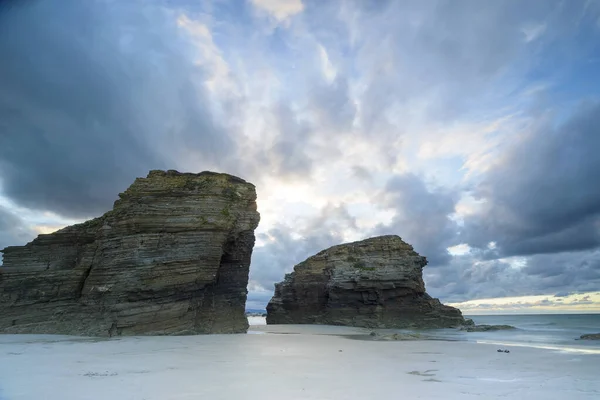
x=286 y=362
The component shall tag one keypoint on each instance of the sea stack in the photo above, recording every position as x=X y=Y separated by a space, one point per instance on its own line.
x=373 y=283
x=172 y=257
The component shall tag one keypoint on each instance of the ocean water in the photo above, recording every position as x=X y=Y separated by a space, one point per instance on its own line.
x=552 y=331
x=559 y=332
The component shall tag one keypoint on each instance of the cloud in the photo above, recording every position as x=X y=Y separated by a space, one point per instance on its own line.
x=13 y=230
x=542 y=196
x=562 y=294
x=422 y=216
x=533 y=31
x=93 y=95
x=471 y=277
x=329 y=70
x=404 y=64
x=288 y=154
x=361 y=173
x=280 y=10
x=577 y=271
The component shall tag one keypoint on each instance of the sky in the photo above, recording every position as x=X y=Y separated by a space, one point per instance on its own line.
x=468 y=128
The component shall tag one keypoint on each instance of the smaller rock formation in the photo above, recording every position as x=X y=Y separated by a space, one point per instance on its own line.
x=374 y=283
x=590 y=336
x=396 y=336
x=487 y=328
x=172 y=257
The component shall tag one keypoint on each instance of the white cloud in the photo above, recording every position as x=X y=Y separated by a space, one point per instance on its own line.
x=327 y=67
x=533 y=31
x=280 y=10
x=210 y=56
x=459 y=249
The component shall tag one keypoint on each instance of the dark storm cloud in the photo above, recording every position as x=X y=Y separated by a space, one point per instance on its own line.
x=13 y=231
x=469 y=277
x=422 y=216
x=93 y=94
x=579 y=271
x=465 y=278
x=544 y=196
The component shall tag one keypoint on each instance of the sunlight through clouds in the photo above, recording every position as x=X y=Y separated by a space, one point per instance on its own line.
x=570 y=303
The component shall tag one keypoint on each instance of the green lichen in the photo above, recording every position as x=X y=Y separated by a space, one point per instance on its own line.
x=362 y=266
x=230 y=193
x=300 y=265
x=158 y=181
x=226 y=212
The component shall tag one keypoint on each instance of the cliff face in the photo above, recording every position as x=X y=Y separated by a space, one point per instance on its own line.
x=374 y=283
x=172 y=257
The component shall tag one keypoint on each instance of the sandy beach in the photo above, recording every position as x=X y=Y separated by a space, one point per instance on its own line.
x=286 y=362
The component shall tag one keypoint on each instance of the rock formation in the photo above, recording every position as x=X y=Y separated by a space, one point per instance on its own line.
x=172 y=257
x=590 y=336
x=374 y=283
x=396 y=336
x=487 y=328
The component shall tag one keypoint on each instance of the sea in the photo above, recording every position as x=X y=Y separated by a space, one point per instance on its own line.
x=550 y=331
x=559 y=332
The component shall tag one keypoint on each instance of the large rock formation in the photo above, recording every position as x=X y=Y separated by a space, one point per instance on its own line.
x=172 y=257
x=374 y=283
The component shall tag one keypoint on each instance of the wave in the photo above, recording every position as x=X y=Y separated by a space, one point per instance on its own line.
x=565 y=349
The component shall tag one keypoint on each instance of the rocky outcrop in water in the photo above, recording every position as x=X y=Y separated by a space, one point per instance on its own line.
x=487 y=328
x=396 y=336
x=590 y=336
x=172 y=257
x=374 y=283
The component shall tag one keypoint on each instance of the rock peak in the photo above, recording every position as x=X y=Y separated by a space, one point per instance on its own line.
x=171 y=172
x=171 y=257
x=375 y=283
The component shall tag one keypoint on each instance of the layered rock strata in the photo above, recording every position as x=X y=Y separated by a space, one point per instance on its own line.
x=172 y=257
x=374 y=283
